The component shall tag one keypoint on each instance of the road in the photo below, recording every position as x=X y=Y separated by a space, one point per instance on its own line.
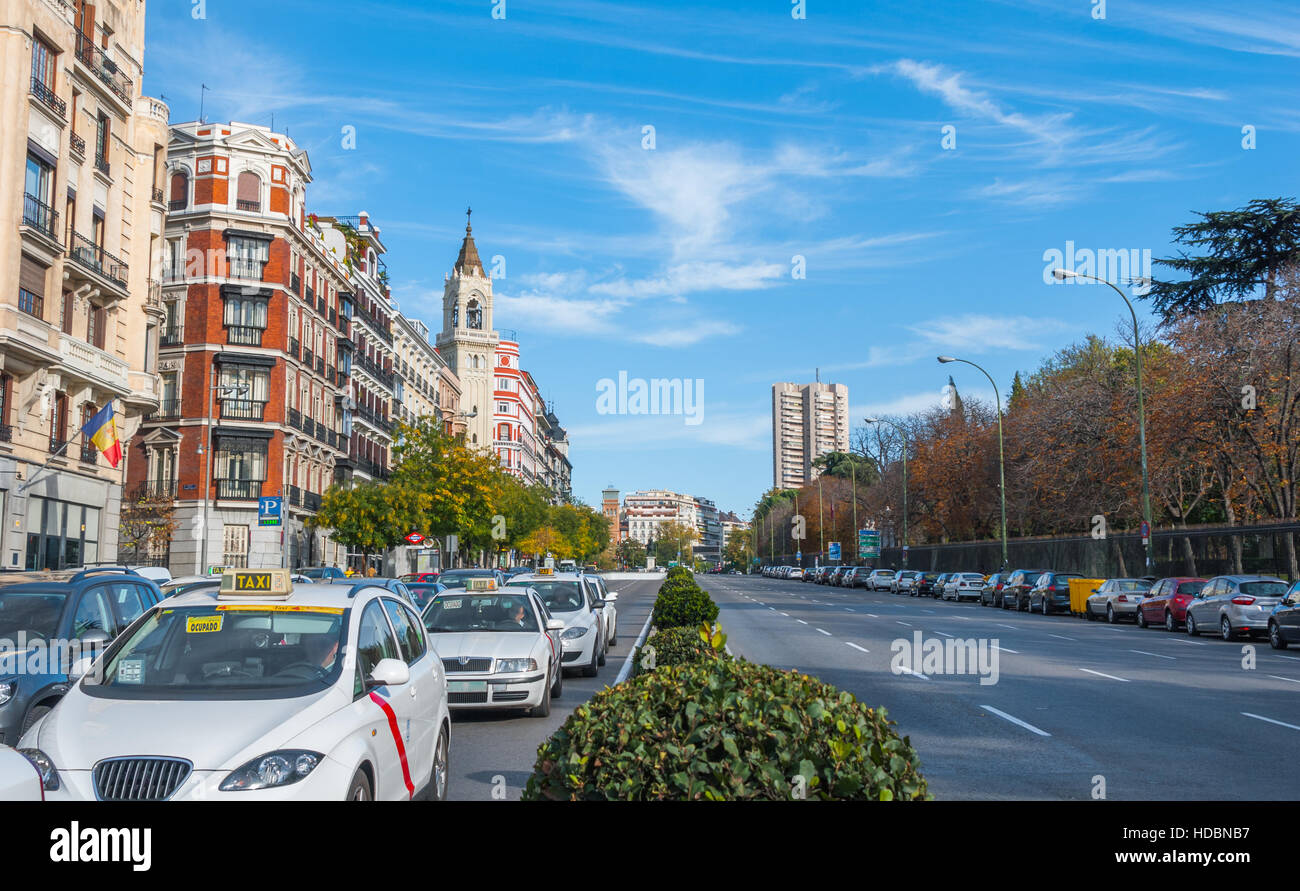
x=1156 y=716
x=495 y=750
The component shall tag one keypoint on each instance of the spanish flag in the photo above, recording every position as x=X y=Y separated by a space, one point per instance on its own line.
x=102 y=431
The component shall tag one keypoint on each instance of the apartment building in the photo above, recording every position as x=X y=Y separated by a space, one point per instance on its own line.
x=515 y=406
x=416 y=368
x=82 y=208
x=708 y=531
x=253 y=360
x=808 y=421
x=648 y=510
x=610 y=508
x=554 y=469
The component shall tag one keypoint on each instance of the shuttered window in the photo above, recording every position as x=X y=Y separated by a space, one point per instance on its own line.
x=31 y=287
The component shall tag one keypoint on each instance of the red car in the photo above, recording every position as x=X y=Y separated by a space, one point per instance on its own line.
x=420 y=577
x=1166 y=604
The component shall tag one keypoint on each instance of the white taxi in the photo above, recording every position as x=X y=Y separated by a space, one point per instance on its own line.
x=609 y=612
x=499 y=647
x=569 y=597
x=20 y=777
x=261 y=690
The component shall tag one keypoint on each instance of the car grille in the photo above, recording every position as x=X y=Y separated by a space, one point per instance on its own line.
x=473 y=664
x=509 y=695
x=466 y=698
x=140 y=779
x=572 y=656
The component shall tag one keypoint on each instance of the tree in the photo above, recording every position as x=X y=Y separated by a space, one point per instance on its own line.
x=370 y=517
x=738 y=552
x=1242 y=252
x=145 y=526
x=547 y=540
x=631 y=553
x=674 y=541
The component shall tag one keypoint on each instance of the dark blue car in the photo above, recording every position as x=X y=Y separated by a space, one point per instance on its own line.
x=41 y=615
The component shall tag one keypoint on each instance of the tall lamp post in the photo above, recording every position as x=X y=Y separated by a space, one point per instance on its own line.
x=1062 y=275
x=227 y=391
x=1002 y=465
x=904 y=435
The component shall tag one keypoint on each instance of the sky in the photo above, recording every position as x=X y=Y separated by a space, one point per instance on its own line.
x=734 y=194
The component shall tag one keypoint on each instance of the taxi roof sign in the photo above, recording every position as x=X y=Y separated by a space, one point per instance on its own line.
x=274 y=583
x=480 y=584
x=546 y=570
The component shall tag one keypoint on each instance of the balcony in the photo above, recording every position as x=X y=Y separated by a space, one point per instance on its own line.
x=6 y=433
x=311 y=501
x=47 y=97
x=178 y=205
x=239 y=490
x=104 y=68
x=77 y=144
x=173 y=335
x=246 y=269
x=311 y=296
x=89 y=363
x=97 y=260
x=249 y=206
x=42 y=219
x=89 y=453
x=307 y=357
x=240 y=335
x=167 y=408
x=102 y=165
x=294 y=347
x=243 y=410
x=157 y=489
x=320 y=365
x=295 y=283
x=57 y=445
x=158 y=197
x=295 y=419
x=295 y=496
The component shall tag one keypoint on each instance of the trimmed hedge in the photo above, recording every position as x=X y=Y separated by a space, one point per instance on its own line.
x=679 y=646
x=725 y=730
x=685 y=605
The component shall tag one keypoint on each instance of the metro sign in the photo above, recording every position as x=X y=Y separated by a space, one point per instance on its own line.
x=415 y=538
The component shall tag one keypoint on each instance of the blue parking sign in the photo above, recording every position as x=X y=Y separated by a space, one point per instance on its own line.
x=834 y=550
x=269 y=511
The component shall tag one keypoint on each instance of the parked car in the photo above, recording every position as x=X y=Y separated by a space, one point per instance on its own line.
x=423 y=592
x=1165 y=605
x=923 y=584
x=991 y=591
x=962 y=584
x=456 y=578
x=49 y=612
x=431 y=576
x=1015 y=593
x=1051 y=593
x=902 y=582
x=879 y=579
x=1235 y=604
x=1284 y=623
x=323 y=573
x=936 y=590
x=1116 y=599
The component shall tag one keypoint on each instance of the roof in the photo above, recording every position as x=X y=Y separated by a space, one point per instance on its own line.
x=468 y=260
x=536 y=577
x=316 y=594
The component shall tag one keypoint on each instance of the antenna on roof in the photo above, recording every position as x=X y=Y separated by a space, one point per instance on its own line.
x=203 y=89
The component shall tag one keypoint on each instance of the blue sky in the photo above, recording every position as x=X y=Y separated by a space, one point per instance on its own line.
x=774 y=138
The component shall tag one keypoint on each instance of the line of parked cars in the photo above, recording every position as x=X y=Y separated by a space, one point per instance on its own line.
x=1231 y=606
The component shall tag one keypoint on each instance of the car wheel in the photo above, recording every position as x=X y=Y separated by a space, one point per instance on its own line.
x=1225 y=628
x=438 y=777
x=33 y=716
x=592 y=668
x=1169 y=621
x=1141 y=618
x=1043 y=606
x=600 y=660
x=1191 y=626
x=557 y=688
x=1275 y=639
x=613 y=635
x=359 y=788
x=542 y=709
x=1087 y=612
x=1110 y=614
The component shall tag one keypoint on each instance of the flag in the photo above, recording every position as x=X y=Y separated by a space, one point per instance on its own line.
x=102 y=431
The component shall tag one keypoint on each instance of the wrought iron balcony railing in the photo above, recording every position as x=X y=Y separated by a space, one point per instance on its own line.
x=104 y=68
x=98 y=260
x=48 y=98
x=40 y=216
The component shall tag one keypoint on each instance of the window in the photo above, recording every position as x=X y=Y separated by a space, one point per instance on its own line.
x=240 y=466
x=234 y=546
x=93 y=614
x=374 y=640
x=248 y=256
x=245 y=312
x=43 y=56
x=6 y=399
x=61 y=534
x=126 y=597
x=249 y=192
x=102 y=131
x=474 y=315
x=180 y=197
x=251 y=404
x=408 y=637
x=96 y=325
x=31 y=287
x=59 y=421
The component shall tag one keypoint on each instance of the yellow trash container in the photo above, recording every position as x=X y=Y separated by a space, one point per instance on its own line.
x=1080 y=591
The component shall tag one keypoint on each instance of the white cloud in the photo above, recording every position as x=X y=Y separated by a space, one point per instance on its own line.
x=972 y=331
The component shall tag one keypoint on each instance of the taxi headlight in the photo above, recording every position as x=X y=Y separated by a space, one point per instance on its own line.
x=515 y=665
x=573 y=633
x=44 y=766
x=8 y=687
x=272 y=770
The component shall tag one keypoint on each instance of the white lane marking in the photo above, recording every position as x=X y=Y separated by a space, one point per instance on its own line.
x=1280 y=678
x=1000 y=625
x=1157 y=655
x=930 y=611
x=1292 y=658
x=1005 y=650
x=1270 y=720
x=1103 y=675
x=1062 y=637
x=801 y=621
x=772 y=608
x=873 y=615
x=787 y=615
x=827 y=633
x=908 y=624
x=856 y=647
x=1014 y=720
x=915 y=674
x=944 y=633
x=1183 y=640
x=849 y=608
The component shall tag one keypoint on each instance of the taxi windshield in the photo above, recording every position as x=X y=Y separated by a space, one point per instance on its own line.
x=457 y=578
x=227 y=651
x=497 y=611
x=34 y=612
x=559 y=596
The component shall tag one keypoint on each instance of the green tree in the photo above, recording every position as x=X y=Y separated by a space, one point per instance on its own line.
x=631 y=553
x=369 y=517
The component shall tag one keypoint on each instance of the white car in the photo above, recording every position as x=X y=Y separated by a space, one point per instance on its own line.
x=879 y=579
x=261 y=690
x=499 y=648
x=608 y=609
x=20 y=779
x=963 y=584
x=569 y=597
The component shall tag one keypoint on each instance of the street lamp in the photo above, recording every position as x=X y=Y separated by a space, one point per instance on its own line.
x=1002 y=464
x=1063 y=274
x=904 y=434
x=226 y=390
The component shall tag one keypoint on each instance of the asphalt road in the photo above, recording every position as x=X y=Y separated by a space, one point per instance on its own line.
x=1156 y=716
x=494 y=751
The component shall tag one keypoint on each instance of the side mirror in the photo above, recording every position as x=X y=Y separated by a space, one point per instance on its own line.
x=1095 y=591
x=611 y=597
x=96 y=637
x=389 y=673
x=554 y=624
x=80 y=668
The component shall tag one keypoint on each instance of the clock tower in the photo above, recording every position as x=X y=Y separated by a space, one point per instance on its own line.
x=467 y=340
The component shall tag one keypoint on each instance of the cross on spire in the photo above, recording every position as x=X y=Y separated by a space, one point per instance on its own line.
x=468 y=211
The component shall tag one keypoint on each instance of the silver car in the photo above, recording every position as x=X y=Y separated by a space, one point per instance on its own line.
x=1117 y=599
x=902 y=583
x=878 y=579
x=1235 y=604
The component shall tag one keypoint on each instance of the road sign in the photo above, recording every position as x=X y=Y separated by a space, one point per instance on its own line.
x=269 y=511
x=415 y=538
x=834 y=548
x=452 y=543
x=1146 y=532
x=868 y=544
x=798 y=556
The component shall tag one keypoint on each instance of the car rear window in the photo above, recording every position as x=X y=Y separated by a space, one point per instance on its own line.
x=1263 y=589
x=1191 y=588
